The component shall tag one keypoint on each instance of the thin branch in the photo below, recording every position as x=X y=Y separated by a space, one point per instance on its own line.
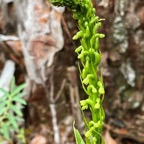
x=61 y=90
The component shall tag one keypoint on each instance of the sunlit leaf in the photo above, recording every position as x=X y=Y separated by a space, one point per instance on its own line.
x=3 y=98
x=16 y=110
x=12 y=120
x=19 y=100
x=18 y=89
x=19 y=119
x=3 y=105
x=2 y=111
x=5 y=93
x=5 y=131
x=20 y=95
x=78 y=137
x=102 y=140
x=12 y=86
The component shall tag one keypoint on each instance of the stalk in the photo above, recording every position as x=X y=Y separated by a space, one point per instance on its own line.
x=90 y=57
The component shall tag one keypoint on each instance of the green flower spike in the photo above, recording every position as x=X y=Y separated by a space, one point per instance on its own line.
x=90 y=56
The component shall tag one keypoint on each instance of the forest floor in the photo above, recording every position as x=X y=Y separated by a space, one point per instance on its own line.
x=123 y=102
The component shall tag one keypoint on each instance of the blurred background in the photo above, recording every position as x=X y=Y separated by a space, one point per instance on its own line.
x=36 y=47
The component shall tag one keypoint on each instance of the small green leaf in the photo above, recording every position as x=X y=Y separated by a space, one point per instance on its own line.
x=5 y=131
x=2 y=111
x=16 y=110
x=20 y=95
x=102 y=140
x=78 y=137
x=19 y=100
x=4 y=92
x=13 y=121
x=3 y=99
x=18 y=89
x=19 y=119
x=21 y=136
x=13 y=85
x=3 y=104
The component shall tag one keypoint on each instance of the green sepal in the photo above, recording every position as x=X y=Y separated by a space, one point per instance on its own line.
x=78 y=35
x=79 y=49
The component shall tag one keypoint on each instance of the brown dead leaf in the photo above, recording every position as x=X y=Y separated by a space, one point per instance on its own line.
x=15 y=46
x=109 y=139
x=123 y=131
x=44 y=37
x=38 y=140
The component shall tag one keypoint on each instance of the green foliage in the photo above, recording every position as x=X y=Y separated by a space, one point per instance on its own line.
x=90 y=57
x=11 y=104
x=71 y=4
x=78 y=137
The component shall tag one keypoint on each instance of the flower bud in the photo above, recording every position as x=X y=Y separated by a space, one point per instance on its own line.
x=101 y=90
x=83 y=55
x=99 y=83
x=84 y=104
x=97 y=58
x=78 y=35
x=94 y=140
x=97 y=25
x=79 y=49
x=101 y=35
x=97 y=106
x=91 y=89
x=89 y=79
x=88 y=134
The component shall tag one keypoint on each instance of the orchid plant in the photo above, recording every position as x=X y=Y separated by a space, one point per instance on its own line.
x=90 y=57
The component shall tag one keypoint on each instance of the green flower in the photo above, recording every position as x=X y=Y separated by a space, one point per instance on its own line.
x=90 y=56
